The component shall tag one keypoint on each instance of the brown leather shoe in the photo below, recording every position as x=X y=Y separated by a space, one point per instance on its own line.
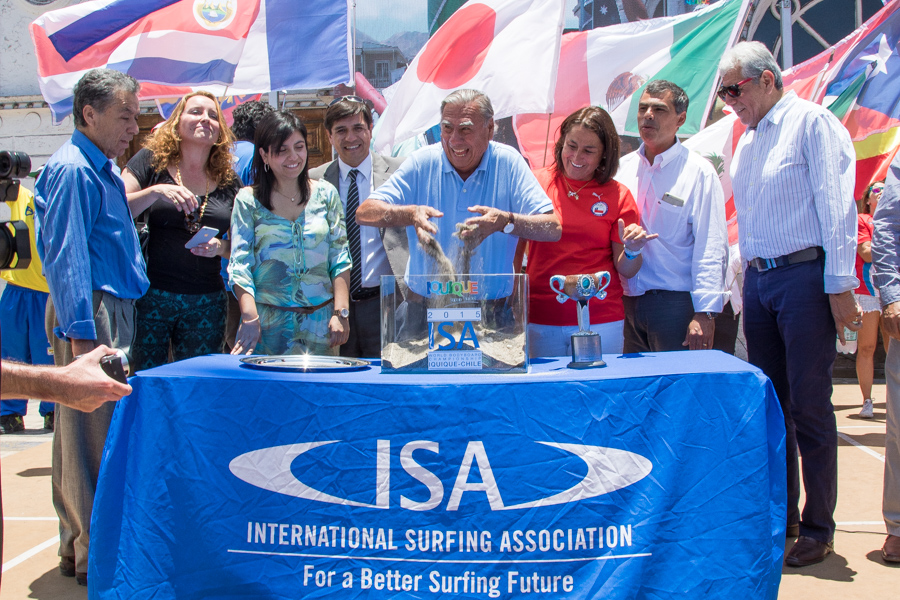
x=891 y=550
x=807 y=551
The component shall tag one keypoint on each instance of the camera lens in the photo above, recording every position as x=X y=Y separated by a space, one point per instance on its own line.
x=14 y=165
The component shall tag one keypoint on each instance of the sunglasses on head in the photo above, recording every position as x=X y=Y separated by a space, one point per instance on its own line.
x=733 y=91
x=347 y=99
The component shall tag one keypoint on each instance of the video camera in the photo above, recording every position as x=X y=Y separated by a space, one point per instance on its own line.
x=15 y=247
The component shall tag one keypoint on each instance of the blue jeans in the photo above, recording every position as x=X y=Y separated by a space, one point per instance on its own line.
x=790 y=335
x=23 y=338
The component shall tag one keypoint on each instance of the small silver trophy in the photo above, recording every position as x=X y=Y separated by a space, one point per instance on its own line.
x=586 y=348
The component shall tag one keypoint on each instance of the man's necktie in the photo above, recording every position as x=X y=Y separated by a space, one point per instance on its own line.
x=353 y=234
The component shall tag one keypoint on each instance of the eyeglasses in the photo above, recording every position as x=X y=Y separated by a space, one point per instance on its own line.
x=347 y=99
x=733 y=91
x=877 y=189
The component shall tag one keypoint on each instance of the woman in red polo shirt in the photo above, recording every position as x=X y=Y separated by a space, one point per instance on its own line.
x=600 y=232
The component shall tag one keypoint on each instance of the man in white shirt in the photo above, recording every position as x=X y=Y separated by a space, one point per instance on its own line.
x=357 y=172
x=672 y=302
x=793 y=175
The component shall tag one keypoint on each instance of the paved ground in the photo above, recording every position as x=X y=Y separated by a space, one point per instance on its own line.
x=855 y=571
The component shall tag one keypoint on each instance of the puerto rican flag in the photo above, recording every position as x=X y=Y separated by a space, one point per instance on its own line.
x=173 y=47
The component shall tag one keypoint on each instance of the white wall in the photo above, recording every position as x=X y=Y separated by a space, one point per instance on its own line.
x=18 y=67
x=24 y=128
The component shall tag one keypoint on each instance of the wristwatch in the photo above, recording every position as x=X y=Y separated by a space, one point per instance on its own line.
x=711 y=315
x=508 y=228
x=342 y=313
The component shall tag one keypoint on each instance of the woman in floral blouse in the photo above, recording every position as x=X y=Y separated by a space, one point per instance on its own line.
x=290 y=264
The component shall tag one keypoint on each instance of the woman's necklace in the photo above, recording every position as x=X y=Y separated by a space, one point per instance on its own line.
x=192 y=220
x=285 y=196
x=574 y=193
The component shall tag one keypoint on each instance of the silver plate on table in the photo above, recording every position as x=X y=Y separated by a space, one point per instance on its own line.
x=308 y=363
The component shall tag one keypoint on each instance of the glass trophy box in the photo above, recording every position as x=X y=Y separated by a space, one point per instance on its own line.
x=458 y=324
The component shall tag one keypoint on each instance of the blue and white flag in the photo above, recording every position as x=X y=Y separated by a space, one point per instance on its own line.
x=174 y=47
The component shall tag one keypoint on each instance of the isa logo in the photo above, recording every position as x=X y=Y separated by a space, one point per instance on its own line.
x=302 y=470
x=452 y=340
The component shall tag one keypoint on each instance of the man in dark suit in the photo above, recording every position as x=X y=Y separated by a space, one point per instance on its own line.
x=375 y=252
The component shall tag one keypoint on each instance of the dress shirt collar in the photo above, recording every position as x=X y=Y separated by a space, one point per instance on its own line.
x=364 y=168
x=777 y=112
x=482 y=166
x=664 y=158
x=90 y=149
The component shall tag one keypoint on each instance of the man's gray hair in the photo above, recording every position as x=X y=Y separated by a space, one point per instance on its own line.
x=98 y=88
x=464 y=97
x=659 y=87
x=753 y=58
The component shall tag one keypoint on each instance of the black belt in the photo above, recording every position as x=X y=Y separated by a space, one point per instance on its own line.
x=365 y=293
x=807 y=254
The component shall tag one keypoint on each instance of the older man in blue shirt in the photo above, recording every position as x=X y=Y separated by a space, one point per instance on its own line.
x=482 y=185
x=95 y=272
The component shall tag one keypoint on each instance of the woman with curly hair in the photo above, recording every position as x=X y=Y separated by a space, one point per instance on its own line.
x=184 y=177
x=290 y=263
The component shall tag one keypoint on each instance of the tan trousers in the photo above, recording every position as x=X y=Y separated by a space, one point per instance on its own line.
x=78 y=437
x=891 y=495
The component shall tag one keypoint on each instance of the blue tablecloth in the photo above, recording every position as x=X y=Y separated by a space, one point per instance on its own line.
x=659 y=476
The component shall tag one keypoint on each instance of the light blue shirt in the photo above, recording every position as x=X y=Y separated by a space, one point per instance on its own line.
x=502 y=180
x=85 y=234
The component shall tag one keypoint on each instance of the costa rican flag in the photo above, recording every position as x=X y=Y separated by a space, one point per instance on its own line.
x=173 y=47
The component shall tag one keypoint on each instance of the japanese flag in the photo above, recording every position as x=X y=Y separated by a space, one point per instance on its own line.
x=508 y=49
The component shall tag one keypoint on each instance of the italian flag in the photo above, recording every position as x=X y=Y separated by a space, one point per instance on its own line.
x=609 y=67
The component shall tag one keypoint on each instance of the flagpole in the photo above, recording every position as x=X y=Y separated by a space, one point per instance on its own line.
x=787 y=36
x=815 y=89
x=353 y=41
x=738 y=32
x=437 y=15
x=547 y=139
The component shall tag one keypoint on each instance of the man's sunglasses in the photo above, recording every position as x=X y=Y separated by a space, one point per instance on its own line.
x=733 y=91
x=347 y=99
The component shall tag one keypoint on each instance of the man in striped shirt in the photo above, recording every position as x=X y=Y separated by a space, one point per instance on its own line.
x=793 y=175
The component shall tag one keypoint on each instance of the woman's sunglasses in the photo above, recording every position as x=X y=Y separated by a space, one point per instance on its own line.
x=733 y=91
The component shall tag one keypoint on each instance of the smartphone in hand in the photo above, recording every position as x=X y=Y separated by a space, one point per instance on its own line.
x=201 y=237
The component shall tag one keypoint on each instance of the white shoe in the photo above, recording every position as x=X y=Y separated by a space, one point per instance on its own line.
x=867 y=412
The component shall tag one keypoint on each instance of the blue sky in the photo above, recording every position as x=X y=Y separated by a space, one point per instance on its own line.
x=383 y=18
